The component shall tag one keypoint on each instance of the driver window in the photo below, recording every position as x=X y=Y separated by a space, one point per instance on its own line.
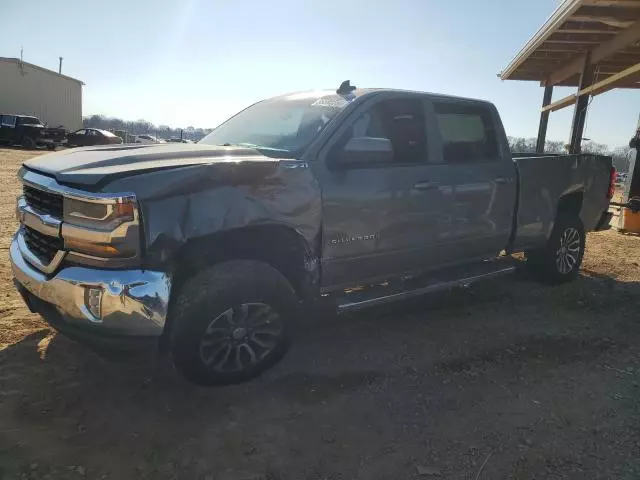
x=402 y=121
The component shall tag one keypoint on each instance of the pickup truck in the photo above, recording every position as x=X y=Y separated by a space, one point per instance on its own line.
x=219 y=250
x=29 y=132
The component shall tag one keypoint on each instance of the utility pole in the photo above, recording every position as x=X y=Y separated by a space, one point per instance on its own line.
x=60 y=66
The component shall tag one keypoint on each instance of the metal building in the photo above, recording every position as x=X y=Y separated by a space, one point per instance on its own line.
x=28 y=89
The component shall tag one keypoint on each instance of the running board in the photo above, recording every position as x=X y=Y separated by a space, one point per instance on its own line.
x=378 y=295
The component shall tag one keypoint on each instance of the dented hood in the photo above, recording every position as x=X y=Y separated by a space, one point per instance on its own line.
x=93 y=166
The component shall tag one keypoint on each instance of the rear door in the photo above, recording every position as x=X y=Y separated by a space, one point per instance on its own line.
x=93 y=137
x=474 y=166
x=8 y=131
x=79 y=138
x=380 y=220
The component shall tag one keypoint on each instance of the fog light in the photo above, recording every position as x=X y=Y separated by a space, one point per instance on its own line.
x=93 y=301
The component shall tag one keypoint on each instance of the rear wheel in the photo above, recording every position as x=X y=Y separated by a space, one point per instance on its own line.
x=28 y=142
x=232 y=322
x=560 y=260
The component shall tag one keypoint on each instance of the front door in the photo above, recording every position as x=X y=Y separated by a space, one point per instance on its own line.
x=478 y=172
x=379 y=220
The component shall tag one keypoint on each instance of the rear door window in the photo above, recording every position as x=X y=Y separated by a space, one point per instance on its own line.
x=8 y=120
x=467 y=131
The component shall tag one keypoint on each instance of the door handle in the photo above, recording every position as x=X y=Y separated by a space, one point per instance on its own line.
x=425 y=185
x=502 y=180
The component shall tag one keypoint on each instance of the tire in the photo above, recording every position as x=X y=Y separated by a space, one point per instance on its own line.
x=559 y=262
x=232 y=322
x=51 y=147
x=28 y=142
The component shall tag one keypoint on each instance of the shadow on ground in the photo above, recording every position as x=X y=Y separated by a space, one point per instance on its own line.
x=543 y=379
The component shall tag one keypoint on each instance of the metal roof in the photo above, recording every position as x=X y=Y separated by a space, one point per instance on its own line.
x=18 y=62
x=608 y=29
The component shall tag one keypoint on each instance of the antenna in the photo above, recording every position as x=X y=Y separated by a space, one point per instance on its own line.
x=60 y=66
x=345 y=87
x=21 y=64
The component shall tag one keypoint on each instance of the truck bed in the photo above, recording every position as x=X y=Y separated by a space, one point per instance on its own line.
x=545 y=180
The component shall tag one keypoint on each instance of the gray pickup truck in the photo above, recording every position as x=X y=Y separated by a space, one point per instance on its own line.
x=355 y=197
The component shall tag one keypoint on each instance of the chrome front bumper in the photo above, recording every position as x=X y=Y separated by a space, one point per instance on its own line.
x=132 y=302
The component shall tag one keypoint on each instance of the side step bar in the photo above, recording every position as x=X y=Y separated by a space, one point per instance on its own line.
x=360 y=301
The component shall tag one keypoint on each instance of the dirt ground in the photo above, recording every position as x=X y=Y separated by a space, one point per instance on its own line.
x=505 y=380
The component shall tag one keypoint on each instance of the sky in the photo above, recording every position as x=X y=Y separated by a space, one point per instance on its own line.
x=197 y=62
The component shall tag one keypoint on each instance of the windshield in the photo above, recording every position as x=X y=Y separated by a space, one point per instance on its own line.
x=286 y=125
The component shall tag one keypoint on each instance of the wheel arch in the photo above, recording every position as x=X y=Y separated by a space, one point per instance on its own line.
x=278 y=245
x=571 y=203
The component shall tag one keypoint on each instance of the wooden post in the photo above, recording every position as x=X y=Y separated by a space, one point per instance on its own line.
x=544 y=119
x=580 y=109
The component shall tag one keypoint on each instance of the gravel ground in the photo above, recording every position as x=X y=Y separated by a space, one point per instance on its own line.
x=507 y=379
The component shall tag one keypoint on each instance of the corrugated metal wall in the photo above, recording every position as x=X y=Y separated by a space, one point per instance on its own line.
x=30 y=91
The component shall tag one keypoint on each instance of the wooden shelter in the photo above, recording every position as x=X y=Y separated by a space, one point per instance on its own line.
x=593 y=45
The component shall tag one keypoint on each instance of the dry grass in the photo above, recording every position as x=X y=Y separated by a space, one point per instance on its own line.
x=543 y=380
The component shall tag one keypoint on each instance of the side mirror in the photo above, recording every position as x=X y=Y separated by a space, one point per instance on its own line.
x=366 y=150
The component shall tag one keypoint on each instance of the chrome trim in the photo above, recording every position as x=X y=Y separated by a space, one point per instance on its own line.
x=125 y=234
x=43 y=223
x=48 y=184
x=134 y=302
x=370 y=302
x=21 y=245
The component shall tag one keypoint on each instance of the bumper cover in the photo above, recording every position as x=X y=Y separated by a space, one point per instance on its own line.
x=132 y=303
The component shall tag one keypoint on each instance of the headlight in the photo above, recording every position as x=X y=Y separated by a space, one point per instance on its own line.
x=103 y=228
x=100 y=215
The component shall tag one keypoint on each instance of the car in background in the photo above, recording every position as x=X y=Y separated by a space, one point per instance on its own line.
x=87 y=137
x=29 y=131
x=148 y=139
x=177 y=140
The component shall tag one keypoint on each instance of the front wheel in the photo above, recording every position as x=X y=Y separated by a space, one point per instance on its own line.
x=560 y=260
x=232 y=322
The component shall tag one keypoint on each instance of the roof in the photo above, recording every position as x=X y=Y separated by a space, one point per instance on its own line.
x=17 y=61
x=362 y=92
x=608 y=29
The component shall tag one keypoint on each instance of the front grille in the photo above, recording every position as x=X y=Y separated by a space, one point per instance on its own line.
x=43 y=202
x=42 y=246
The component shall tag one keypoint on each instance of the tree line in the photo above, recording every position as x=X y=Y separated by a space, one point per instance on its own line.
x=139 y=127
x=620 y=155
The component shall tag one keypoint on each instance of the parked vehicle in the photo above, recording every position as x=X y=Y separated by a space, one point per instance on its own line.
x=148 y=139
x=219 y=250
x=177 y=140
x=86 y=137
x=29 y=131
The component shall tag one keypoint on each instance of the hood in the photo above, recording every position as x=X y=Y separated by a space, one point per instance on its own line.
x=92 y=166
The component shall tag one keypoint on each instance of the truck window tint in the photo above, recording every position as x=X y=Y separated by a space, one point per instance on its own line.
x=28 y=121
x=467 y=133
x=8 y=120
x=402 y=121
